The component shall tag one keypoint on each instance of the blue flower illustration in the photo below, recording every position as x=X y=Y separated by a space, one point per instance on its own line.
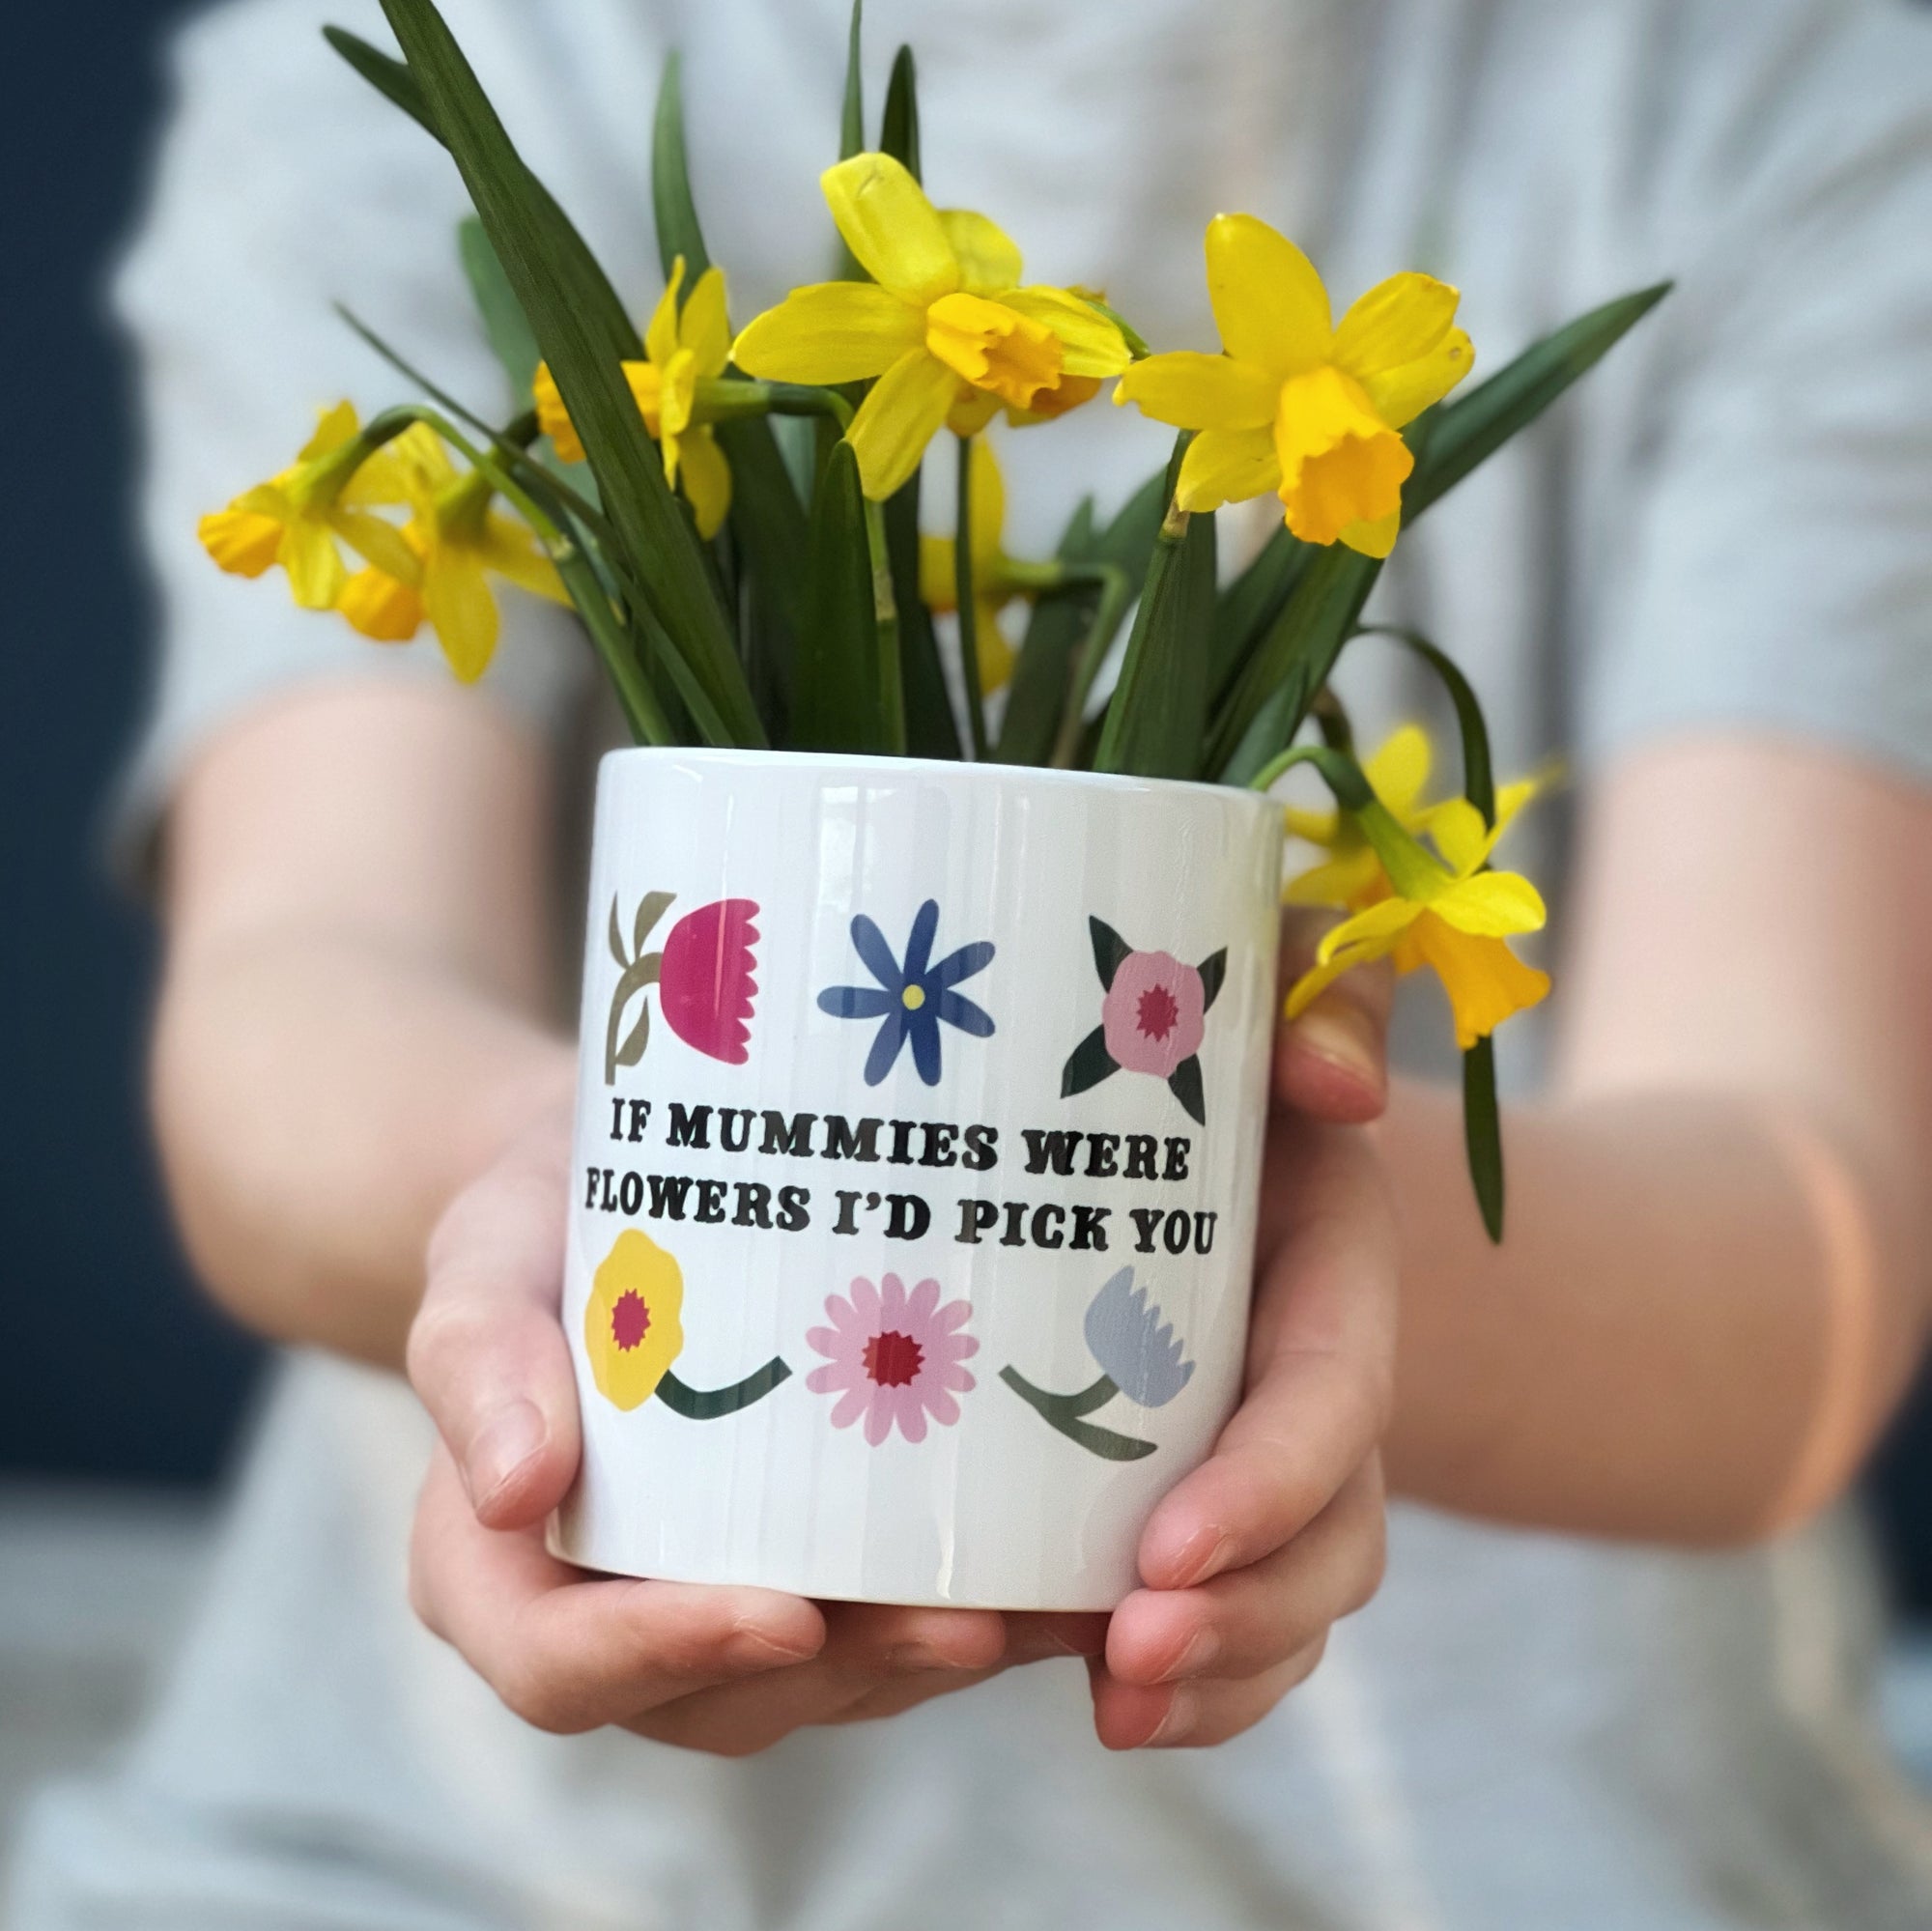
x=1138 y=1349
x=910 y=999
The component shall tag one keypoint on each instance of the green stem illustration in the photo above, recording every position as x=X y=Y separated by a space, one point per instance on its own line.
x=1065 y=1412
x=710 y=1403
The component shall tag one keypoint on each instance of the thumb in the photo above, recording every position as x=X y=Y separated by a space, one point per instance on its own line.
x=486 y=1352
x=1331 y=1061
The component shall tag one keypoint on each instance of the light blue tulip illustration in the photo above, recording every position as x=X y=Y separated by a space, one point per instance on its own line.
x=1140 y=1356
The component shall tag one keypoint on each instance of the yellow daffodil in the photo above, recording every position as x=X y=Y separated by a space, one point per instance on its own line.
x=943 y=324
x=682 y=348
x=454 y=540
x=295 y=517
x=1454 y=917
x=1295 y=404
x=996 y=577
x=1352 y=875
x=630 y=1323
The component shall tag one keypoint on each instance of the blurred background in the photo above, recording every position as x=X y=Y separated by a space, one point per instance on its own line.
x=121 y=1392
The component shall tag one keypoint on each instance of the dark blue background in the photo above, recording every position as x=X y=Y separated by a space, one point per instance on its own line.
x=110 y=1365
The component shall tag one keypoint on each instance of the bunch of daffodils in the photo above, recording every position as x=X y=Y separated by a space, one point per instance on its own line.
x=734 y=517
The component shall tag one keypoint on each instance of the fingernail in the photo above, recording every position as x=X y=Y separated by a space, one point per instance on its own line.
x=1177 y=1724
x=499 y=1448
x=1345 y=1035
x=1195 y=1658
x=1203 y=1554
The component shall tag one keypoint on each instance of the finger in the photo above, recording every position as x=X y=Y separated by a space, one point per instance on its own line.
x=1127 y=1716
x=1250 y=1620
x=568 y=1655
x=1321 y=1373
x=486 y=1353
x=1331 y=1061
x=922 y=1653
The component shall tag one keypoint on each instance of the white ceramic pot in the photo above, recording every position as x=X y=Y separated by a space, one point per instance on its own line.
x=918 y=1144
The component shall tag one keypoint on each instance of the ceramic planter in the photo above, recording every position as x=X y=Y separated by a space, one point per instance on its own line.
x=918 y=1133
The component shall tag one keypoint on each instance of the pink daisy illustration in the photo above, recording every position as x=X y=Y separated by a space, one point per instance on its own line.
x=893 y=1357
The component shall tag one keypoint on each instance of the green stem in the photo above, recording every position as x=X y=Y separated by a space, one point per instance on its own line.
x=711 y=1403
x=1109 y=611
x=969 y=622
x=1064 y=1412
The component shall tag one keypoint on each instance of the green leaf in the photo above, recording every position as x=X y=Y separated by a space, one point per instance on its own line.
x=386 y=73
x=768 y=521
x=1156 y=720
x=1109 y=950
x=852 y=112
x=671 y=205
x=1482 y=1132
x=844 y=699
x=1213 y=971
x=1479 y=778
x=898 y=132
x=1253 y=601
x=931 y=728
x=1043 y=671
x=1462 y=434
x=585 y=335
x=503 y=318
x=1088 y=1065
x=1184 y=1083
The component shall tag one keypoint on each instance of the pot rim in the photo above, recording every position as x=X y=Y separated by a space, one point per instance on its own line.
x=1121 y=784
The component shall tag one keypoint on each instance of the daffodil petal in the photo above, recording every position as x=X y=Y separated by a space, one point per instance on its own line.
x=703 y=328
x=333 y=428
x=1195 y=391
x=1224 y=465
x=463 y=610
x=553 y=418
x=1460 y=834
x=661 y=336
x=830 y=332
x=1399 y=771
x=509 y=548
x=989 y=262
x=1398 y=320
x=986 y=493
x=1269 y=304
x=891 y=227
x=1492 y=904
x=974 y=409
x=314 y=564
x=708 y=480
x=1344 y=880
x=383 y=610
x=1400 y=394
x=375 y=541
x=1375 y=538
x=1312 y=827
x=1089 y=344
x=905 y=409
x=938 y=579
x=996 y=652
x=241 y=542
x=1370 y=933
x=1486 y=981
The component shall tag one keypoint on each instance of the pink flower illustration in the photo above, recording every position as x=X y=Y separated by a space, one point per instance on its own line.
x=706 y=984
x=1154 y=1013
x=893 y=1357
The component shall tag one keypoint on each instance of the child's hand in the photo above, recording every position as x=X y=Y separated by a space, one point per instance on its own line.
x=726 y=1669
x=1251 y=1559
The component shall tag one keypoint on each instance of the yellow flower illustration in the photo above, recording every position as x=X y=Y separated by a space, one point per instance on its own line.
x=996 y=577
x=1453 y=917
x=681 y=349
x=943 y=324
x=295 y=517
x=1295 y=404
x=454 y=539
x=630 y=1331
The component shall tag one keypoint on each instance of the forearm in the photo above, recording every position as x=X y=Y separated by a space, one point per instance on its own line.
x=1702 y=1313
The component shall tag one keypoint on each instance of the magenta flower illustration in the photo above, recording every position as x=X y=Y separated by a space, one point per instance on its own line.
x=704 y=977
x=1154 y=1015
x=1153 y=1019
x=893 y=1358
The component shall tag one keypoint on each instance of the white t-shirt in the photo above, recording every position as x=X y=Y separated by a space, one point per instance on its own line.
x=1730 y=525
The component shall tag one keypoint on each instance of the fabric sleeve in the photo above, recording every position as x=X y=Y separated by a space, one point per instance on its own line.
x=1773 y=570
